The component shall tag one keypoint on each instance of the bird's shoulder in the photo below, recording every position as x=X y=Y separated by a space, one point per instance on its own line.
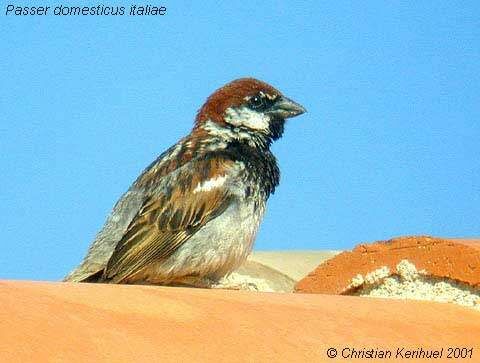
x=189 y=167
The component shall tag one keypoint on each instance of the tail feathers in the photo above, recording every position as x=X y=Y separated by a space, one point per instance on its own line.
x=80 y=275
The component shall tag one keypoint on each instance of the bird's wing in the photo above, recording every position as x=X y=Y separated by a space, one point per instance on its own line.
x=126 y=208
x=170 y=217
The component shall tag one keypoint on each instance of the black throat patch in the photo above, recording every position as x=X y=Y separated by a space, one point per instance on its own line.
x=260 y=164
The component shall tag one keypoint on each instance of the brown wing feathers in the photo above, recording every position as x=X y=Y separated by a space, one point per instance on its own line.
x=163 y=223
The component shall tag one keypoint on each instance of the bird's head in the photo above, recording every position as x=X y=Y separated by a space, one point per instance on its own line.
x=247 y=109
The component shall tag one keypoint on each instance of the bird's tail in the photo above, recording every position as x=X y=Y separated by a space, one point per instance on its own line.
x=81 y=275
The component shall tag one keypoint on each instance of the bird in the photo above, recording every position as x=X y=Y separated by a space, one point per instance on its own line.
x=192 y=215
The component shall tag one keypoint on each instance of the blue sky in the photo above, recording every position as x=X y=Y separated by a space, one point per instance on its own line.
x=390 y=145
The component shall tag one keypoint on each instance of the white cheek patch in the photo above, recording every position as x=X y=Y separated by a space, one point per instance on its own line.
x=246 y=117
x=210 y=184
x=216 y=130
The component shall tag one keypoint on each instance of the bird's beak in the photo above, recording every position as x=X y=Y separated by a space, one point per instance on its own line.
x=285 y=108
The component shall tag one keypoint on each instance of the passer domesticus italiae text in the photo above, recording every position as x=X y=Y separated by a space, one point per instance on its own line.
x=191 y=217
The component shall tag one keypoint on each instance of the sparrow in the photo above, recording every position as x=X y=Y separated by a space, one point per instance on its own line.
x=191 y=217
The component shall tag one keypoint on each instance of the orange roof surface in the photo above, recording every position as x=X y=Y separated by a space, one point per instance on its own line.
x=65 y=322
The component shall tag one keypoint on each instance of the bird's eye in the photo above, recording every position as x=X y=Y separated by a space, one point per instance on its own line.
x=256 y=102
